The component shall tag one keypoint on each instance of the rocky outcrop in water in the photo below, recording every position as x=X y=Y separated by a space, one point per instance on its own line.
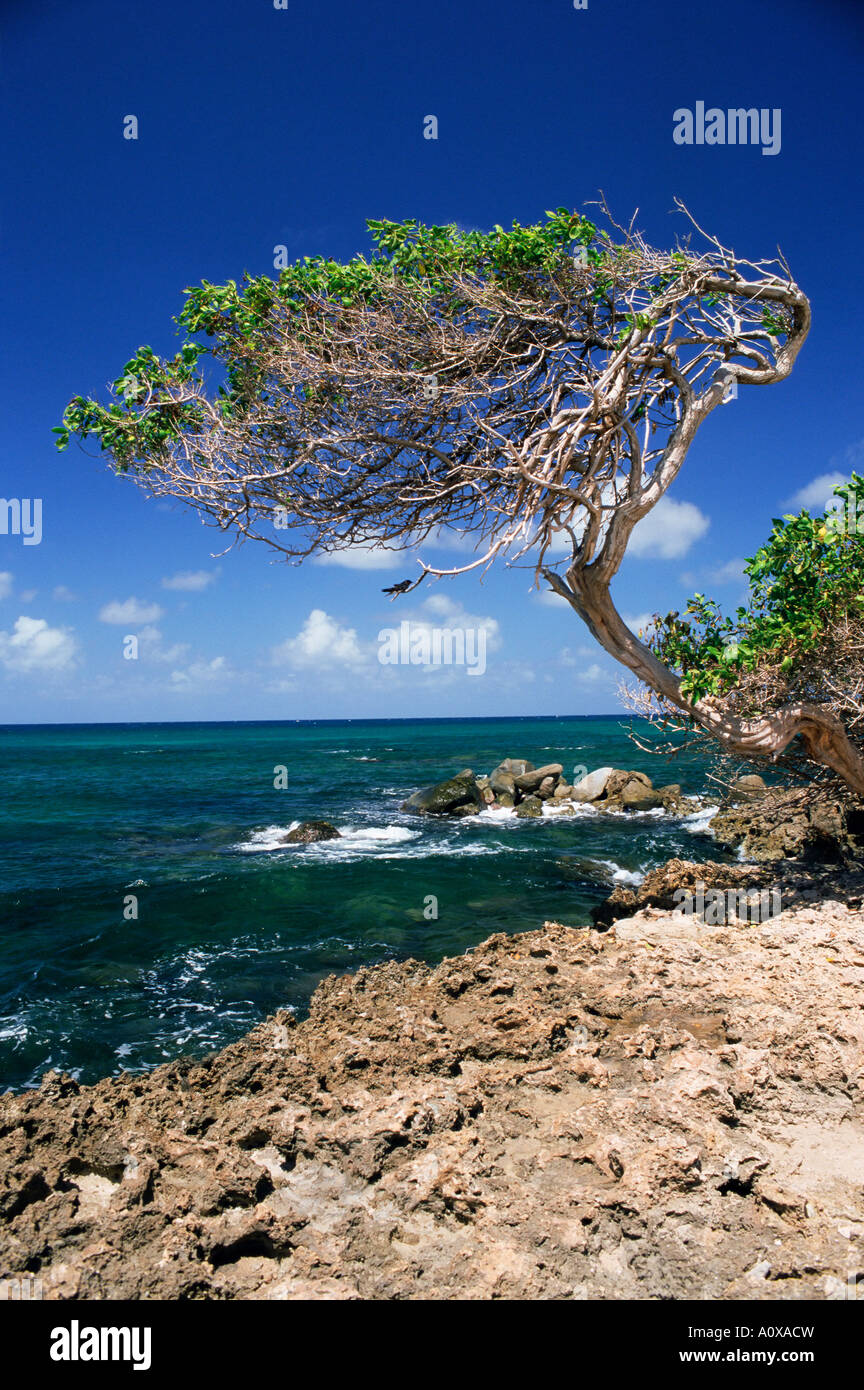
x=457 y=796
x=517 y=783
x=789 y=884
x=660 y=1111
x=611 y=789
x=778 y=823
x=309 y=832
x=659 y=887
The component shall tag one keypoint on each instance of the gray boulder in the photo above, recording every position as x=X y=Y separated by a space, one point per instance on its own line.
x=515 y=767
x=672 y=798
x=618 y=780
x=310 y=831
x=484 y=787
x=635 y=796
x=448 y=797
x=503 y=783
x=592 y=787
x=528 y=782
x=749 y=788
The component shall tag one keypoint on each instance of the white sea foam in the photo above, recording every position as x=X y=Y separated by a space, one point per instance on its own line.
x=632 y=877
x=382 y=841
x=271 y=838
x=14 y=1028
x=496 y=814
x=656 y=813
x=569 y=809
x=353 y=842
x=376 y=836
x=698 y=823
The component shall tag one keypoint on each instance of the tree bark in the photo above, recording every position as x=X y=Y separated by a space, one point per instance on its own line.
x=821 y=732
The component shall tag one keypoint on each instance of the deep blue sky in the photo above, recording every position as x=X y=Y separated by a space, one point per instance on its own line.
x=261 y=127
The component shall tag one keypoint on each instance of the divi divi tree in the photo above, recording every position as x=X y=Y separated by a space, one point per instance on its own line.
x=535 y=389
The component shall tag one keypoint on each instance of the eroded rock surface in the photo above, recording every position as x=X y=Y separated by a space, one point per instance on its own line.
x=768 y=826
x=662 y=1110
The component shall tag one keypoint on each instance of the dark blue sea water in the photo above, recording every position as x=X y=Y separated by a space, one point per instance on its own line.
x=181 y=816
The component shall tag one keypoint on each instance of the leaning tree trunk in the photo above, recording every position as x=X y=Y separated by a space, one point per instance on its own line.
x=597 y=558
x=768 y=735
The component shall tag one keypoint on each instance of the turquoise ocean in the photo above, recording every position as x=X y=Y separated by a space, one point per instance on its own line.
x=183 y=818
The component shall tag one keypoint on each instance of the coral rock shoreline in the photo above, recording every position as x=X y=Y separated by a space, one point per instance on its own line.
x=663 y=1110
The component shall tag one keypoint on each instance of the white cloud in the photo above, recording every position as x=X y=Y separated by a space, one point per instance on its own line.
x=441 y=605
x=553 y=600
x=364 y=557
x=28 y=595
x=373 y=556
x=590 y=673
x=5 y=584
x=668 y=531
x=732 y=572
x=638 y=622
x=130 y=612
x=150 y=641
x=593 y=673
x=202 y=673
x=321 y=642
x=448 y=538
x=568 y=657
x=63 y=595
x=190 y=581
x=445 y=613
x=818 y=494
x=34 y=646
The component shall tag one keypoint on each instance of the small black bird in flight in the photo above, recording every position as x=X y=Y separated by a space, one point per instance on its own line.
x=402 y=588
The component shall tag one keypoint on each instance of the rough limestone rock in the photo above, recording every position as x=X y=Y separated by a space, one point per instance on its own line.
x=659 y=886
x=592 y=787
x=448 y=797
x=546 y=788
x=528 y=782
x=563 y=791
x=785 y=824
x=531 y=806
x=655 y=1112
x=310 y=831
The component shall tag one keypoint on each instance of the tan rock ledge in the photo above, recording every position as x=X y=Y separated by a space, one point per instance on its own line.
x=654 y=1112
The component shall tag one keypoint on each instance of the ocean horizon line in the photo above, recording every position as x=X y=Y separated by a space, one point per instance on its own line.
x=380 y=719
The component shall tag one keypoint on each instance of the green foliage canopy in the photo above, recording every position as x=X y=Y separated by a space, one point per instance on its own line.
x=805 y=581
x=230 y=323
